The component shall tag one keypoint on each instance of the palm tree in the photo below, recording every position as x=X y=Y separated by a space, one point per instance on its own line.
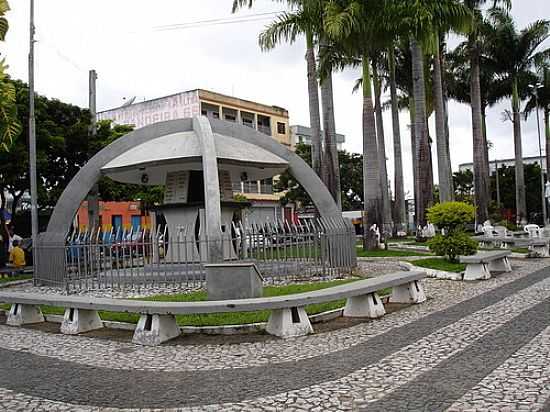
x=348 y=26
x=421 y=19
x=543 y=99
x=514 y=53
x=381 y=140
x=441 y=129
x=481 y=166
x=400 y=212
x=281 y=30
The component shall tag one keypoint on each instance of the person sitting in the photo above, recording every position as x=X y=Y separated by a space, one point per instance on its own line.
x=17 y=256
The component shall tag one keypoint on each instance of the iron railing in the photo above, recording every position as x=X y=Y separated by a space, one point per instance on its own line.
x=130 y=259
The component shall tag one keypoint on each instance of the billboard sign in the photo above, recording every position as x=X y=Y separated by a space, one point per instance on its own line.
x=177 y=106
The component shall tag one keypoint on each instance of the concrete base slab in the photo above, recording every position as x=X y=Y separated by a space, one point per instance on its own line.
x=78 y=321
x=412 y=292
x=24 y=315
x=477 y=271
x=288 y=323
x=366 y=306
x=500 y=265
x=152 y=330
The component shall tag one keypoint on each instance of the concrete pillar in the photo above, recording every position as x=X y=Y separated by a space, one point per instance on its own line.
x=24 y=315
x=213 y=213
x=477 y=271
x=288 y=323
x=366 y=306
x=78 y=321
x=500 y=265
x=412 y=292
x=152 y=330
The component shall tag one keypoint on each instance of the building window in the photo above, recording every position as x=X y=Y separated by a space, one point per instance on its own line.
x=281 y=128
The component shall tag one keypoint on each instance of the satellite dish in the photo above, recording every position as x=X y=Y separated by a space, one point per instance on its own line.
x=129 y=102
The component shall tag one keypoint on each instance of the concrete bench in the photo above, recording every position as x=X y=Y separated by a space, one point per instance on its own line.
x=480 y=265
x=157 y=323
x=540 y=246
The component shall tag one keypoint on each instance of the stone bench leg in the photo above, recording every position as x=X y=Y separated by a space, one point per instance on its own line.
x=24 y=315
x=152 y=330
x=366 y=306
x=78 y=321
x=477 y=271
x=541 y=250
x=288 y=323
x=412 y=292
x=500 y=265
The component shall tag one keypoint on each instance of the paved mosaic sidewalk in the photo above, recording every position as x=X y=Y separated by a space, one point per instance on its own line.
x=469 y=340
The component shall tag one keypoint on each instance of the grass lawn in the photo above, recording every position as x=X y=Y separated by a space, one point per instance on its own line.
x=440 y=264
x=215 y=319
x=388 y=253
x=14 y=278
x=520 y=250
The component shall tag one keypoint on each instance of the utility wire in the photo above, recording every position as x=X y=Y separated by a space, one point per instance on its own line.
x=217 y=22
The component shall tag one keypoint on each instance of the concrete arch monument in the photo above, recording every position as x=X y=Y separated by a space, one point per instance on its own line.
x=215 y=145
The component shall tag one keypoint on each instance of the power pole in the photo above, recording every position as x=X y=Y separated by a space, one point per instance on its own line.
x=32 y=136
x=93 y=196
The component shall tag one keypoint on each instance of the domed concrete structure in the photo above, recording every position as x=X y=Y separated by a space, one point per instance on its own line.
x=191 y=157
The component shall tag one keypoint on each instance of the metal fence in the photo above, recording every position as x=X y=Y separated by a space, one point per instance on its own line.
x=130 y=259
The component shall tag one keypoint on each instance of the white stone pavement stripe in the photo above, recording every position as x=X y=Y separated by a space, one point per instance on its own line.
x=522 y=382
x=372 y=383
x=122 y=355
x=438 y=388
x=339 y=396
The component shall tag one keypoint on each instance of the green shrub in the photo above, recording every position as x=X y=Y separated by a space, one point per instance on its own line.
x=451 y=216
x=453 y=245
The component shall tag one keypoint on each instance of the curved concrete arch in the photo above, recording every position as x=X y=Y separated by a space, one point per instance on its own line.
x=77 y=190
x=313 y=185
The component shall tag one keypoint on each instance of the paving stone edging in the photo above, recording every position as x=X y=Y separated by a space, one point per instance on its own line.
x=15 y=283
x=432 y=273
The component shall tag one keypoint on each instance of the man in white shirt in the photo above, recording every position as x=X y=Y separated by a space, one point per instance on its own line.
x=13 y=236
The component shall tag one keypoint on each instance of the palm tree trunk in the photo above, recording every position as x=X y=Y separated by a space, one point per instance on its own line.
x=481 y=191
x=330 y=157
x=400 y=213
x=412 y=114
x=386 y=207
x=547 y=134
x=487 y=169
x=443 y=154
x=371 y=179
x=314 y=115
x=521 y=204
x=425 y=194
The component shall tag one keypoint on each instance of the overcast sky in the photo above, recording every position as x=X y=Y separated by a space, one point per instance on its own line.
x=121 y=40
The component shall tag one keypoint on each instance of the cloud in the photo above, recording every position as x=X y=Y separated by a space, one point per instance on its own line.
x=118 y=39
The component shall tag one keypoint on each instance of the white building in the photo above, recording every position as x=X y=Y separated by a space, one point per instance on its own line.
x=506 y=162
x=302 y=134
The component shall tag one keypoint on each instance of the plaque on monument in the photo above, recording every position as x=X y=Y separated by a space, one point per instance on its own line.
x=177 y=184
x=226 y=188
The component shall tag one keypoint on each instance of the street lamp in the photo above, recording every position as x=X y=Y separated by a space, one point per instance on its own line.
x=535 y=89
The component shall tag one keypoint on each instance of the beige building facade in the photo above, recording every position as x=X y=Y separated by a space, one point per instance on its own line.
x=270 y=120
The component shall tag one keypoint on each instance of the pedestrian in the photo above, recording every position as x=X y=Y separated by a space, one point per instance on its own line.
x=17 y=256
x=13 y=236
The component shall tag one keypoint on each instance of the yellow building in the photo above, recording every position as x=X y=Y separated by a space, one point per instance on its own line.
x=270 y=120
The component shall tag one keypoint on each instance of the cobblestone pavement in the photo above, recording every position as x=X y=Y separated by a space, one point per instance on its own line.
x=472 y=346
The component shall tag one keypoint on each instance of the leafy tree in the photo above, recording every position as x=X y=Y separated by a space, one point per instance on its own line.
x=451 y=217
x=463 y=182
x=351 y=165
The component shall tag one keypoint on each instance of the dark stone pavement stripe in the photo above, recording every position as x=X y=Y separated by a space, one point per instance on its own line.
x=437 y=389
x=546 y=407
x=81 y=384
